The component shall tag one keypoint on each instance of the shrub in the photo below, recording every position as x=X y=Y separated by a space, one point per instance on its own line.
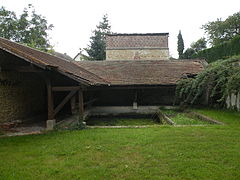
x=222 y=51
x=217 y=81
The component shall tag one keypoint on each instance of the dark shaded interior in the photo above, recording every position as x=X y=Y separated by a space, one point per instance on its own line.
x=163 y=95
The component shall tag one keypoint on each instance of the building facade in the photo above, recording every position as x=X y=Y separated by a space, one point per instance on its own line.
x=35 y=83
x=149 y=46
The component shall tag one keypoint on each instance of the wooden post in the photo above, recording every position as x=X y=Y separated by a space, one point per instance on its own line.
x=81 y=108
x=50 y=99
x=73 y=104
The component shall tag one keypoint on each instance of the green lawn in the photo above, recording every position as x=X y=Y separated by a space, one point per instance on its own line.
x=225 y=116
x=182 y=118
x=114 y=121
x=166 y=152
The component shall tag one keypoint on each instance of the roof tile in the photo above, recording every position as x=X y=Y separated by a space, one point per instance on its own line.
x=143 y=72
x=43 y=59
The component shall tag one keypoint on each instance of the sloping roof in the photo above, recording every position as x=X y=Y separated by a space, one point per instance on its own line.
x=64 y=56
x=118 y=73
x=48 y=61
x=138 y=34
x=125 y=41
x=143 y=72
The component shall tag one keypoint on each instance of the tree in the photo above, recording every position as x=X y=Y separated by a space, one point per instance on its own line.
x=199 y=45
x=180 y=45
x=96 y=49
x=189 y=53
x=195 y=47
x=29 y=28
x=8 y=23
x=220 y=31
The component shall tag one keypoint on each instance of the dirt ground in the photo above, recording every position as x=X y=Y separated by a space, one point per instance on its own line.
x=25 y=128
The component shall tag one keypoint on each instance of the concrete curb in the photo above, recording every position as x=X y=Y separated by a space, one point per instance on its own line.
x=113 y=127
x=161 y=115
x=205 y=118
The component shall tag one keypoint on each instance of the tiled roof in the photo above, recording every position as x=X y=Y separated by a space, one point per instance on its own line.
x=138 y=34
x=143 y=72
x=45 y=60
x=124 y=41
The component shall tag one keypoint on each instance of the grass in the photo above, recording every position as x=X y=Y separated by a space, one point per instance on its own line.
x=114 y=121
x=226 y=116
x=181 y=118
x=166 y=152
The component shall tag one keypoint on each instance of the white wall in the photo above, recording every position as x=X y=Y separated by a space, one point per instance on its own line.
x=233 y=101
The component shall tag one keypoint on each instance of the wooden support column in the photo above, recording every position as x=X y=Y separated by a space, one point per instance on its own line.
x=73 y=104
x=81 y=108
x=50 y=99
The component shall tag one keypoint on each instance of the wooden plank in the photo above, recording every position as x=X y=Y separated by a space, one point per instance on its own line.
x=65 y=88
x=81 y=104
x=64 y=101
x=130 y=87
x=49 y=99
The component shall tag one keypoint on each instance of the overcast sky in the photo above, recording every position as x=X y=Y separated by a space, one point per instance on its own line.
x=74 y=20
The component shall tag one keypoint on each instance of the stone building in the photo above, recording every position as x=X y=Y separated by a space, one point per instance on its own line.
x=149 y=46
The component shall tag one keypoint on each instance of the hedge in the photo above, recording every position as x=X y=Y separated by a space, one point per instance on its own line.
x=222 y=51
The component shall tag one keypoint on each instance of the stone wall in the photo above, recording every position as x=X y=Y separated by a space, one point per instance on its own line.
x=22 y=95
x=137 y=54
x=233 y=101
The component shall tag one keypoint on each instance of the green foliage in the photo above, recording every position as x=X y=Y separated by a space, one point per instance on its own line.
x=96 y=49
x=189 y=53
x=220 y=31
x=29 y=28
x=222 y=51
x=180 y=45
x=8 y=23
x=218 y=80
x=199 y=45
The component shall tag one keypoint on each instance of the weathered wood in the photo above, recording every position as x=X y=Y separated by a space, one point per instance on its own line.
x=64 y=101
x=21 y=68
x=81 y=104
x=130 y=87
x=50 y=99
x=73 y=104
x=65 y=88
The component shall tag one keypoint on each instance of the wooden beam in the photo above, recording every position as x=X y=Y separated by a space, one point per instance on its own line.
x=64 y=101
x=129 y=87
x=81 y=105
x=65 y=88
x=49 y=99
x=21 y=68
